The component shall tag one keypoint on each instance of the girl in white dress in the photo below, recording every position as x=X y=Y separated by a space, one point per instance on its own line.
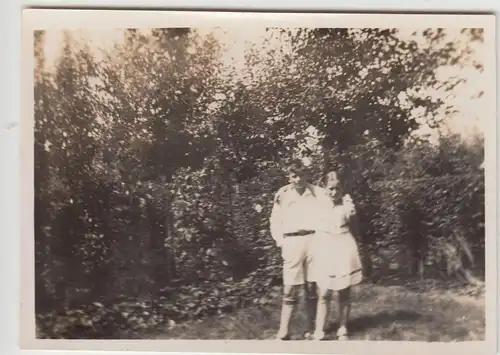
x=340 y=262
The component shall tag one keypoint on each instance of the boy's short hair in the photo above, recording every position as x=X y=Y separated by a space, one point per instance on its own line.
x=296 y=166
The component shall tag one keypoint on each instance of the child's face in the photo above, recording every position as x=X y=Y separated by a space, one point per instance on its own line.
x=297 y=180
x=332 y=191
x=332 y=186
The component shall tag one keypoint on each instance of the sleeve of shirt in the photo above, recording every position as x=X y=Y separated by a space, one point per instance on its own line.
x=275 y=221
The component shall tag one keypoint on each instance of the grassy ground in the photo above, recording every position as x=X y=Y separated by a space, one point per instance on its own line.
x=410 y=313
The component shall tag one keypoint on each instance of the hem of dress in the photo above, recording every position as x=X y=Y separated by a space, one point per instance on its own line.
x=340 y=283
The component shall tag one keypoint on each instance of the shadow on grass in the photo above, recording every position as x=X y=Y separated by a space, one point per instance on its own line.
x=381 y=319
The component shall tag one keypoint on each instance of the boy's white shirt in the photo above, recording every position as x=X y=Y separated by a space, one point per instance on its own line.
x=313 y=210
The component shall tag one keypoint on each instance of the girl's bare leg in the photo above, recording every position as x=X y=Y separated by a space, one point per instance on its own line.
x=343 y=311
x=322 y=312
x=311 y=293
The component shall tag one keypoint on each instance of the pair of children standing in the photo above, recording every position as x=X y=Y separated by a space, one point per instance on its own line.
x=309 y=224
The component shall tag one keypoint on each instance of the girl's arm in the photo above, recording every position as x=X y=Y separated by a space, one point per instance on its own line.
x=349 y=208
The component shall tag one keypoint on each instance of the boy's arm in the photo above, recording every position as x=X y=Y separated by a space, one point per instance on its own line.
x=275 y=221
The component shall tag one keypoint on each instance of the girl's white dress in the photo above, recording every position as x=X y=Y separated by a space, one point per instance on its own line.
x=339 y=264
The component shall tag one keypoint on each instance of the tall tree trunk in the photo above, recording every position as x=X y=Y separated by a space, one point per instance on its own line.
x=157 y=247
x=421 y=267
x=171 y=237
x=329 y=156
x=229 y=179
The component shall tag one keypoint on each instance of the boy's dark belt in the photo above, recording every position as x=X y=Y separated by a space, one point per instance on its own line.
x=298 y=234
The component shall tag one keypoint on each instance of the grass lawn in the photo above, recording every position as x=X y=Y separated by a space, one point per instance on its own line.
x=409 y=313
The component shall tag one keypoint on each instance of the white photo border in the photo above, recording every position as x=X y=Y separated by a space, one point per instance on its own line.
x=34 y=19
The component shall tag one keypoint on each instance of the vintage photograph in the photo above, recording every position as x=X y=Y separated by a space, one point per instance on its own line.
x=260 y=183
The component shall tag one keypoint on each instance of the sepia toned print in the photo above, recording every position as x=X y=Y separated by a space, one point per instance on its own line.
x=284 y=184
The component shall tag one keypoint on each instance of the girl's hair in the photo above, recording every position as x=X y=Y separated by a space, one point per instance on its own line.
x=339 y=186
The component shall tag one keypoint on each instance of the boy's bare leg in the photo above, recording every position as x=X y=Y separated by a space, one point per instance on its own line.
x=288 y=305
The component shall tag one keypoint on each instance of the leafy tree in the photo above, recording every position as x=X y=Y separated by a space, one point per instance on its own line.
x=156 y=164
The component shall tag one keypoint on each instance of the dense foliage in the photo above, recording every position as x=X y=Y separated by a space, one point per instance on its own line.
x=156 y=164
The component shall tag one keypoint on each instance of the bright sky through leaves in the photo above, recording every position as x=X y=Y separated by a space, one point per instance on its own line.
x=466 y=98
